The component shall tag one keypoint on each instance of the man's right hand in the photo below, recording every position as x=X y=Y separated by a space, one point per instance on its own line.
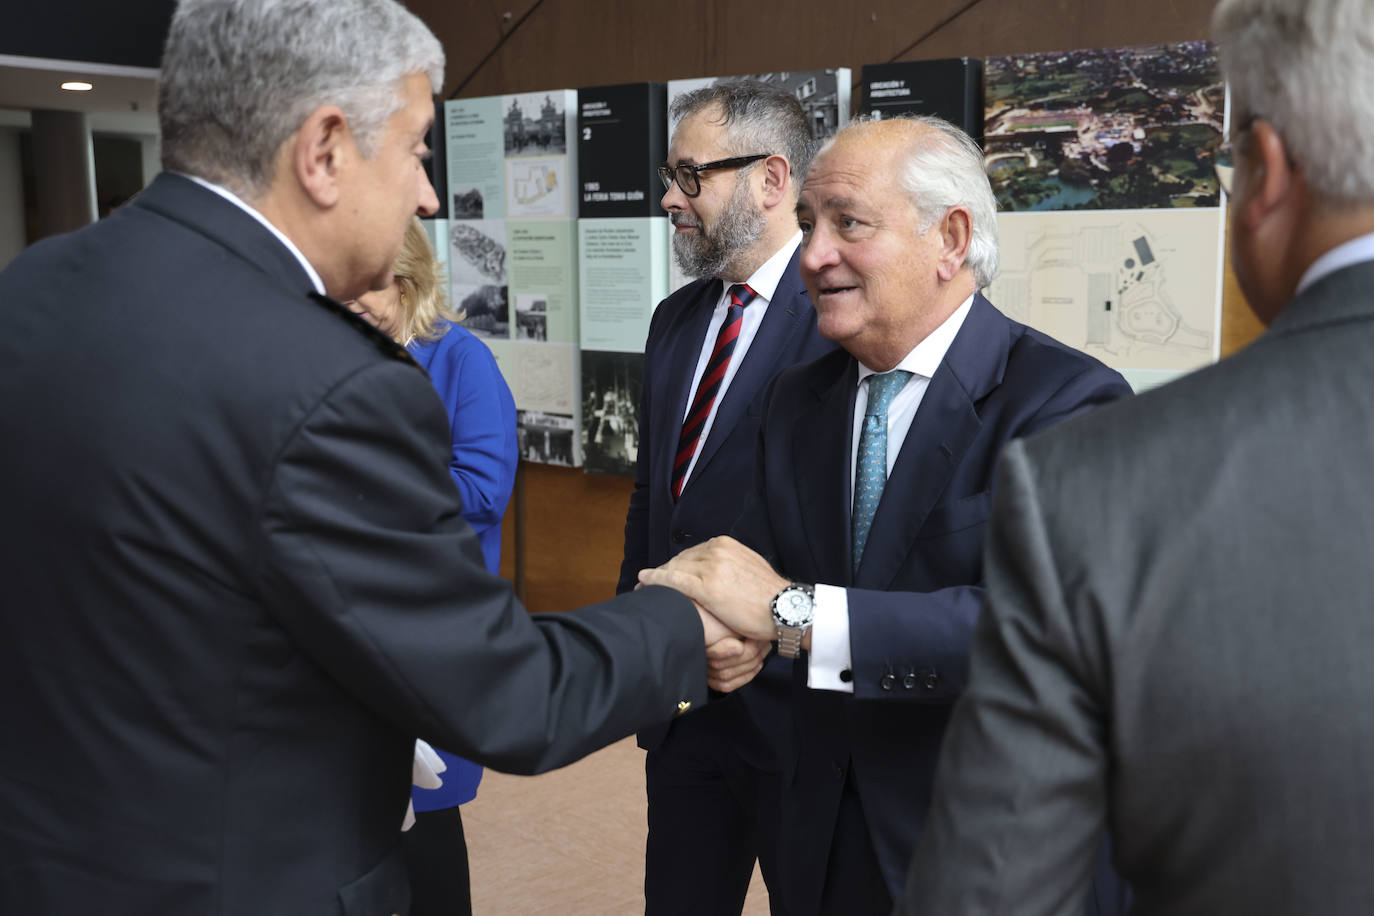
x=727 y=579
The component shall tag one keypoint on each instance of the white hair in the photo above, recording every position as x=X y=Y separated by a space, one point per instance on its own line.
x=240 y=76
x=1306 y=67
x=944 y=169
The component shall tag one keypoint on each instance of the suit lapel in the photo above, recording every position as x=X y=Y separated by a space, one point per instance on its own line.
x=820 y=459
x=685 y=343
x=781 y=323
x=945 y=425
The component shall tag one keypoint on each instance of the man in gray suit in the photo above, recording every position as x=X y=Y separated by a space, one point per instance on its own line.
x=1179 y=635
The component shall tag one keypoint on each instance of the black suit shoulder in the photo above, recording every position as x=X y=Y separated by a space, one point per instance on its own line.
x=1035 y=351
x=800 y=390
x=814 y=377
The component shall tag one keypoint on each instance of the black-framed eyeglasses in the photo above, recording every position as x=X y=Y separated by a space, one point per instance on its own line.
x=1223 y=154
x=687 y=176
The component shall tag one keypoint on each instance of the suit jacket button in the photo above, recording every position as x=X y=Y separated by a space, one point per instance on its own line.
x=679 y=537
x=932 y=680
x=909 y=681
x=887 y=681
x=838 y=771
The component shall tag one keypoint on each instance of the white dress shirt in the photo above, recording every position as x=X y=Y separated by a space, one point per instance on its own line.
x=830 y=653
x=290 y=246
x=1346 y=254
x=764 y=282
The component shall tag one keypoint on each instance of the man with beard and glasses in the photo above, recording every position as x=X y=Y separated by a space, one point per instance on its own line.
x=734 y=165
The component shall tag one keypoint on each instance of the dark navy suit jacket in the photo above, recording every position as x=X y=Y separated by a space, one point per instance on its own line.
x=656 y=527
x=237 y=587
x=919 y=589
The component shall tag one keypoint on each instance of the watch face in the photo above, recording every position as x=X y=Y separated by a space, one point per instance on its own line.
x=793 y=607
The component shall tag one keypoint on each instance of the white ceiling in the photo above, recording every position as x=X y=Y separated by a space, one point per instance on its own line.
x=124 y=98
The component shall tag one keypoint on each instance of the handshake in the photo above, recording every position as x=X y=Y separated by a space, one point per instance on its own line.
x=733 y=588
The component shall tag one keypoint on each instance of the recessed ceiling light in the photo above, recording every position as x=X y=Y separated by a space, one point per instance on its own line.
x=77 y=86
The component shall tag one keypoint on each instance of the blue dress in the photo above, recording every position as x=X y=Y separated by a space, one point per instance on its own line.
x=481 y=412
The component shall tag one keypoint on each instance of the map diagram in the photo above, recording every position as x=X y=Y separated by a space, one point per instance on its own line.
x=535 y=187
x=1128 y=287
x=541 y=374
x=538 y=182
x=477 y=276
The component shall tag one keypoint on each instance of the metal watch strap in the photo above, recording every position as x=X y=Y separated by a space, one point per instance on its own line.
x=789 y=640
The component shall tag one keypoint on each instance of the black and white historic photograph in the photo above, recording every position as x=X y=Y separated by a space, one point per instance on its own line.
x=531 y=316
x=468 y=204
x=610 y=409
x=477 y=276
x=546 y=438
x=534 y=124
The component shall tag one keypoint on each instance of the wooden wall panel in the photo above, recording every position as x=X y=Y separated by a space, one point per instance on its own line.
x=570 y=535
x=571 y=43
x=994 y=27
x=472 y=32
x=1239 y=325
x=574 y=536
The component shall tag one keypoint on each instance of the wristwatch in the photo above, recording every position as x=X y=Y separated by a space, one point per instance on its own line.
x=793 y=608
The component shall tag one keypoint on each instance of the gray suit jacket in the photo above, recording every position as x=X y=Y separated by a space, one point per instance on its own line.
x=1178 y=645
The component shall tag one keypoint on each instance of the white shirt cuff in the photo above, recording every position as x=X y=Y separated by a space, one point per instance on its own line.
x=828 y=666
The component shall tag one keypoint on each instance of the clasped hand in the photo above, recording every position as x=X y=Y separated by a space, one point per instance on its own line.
x=732 y=587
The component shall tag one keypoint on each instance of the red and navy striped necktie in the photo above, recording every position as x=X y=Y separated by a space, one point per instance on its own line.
x=709 y=386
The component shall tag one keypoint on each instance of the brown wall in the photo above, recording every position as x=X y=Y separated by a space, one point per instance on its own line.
x=571 y=524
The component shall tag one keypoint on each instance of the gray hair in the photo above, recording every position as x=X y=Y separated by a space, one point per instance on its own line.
x=1307 y=67
x=758 y=117
x=945 y=169
x=240 y=76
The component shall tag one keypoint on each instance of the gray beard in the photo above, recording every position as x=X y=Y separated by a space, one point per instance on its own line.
x=711 y=251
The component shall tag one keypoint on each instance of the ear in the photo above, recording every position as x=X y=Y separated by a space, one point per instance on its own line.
x=319 y=150
x=956 y=233
x=777 y=175
x=1269 y=181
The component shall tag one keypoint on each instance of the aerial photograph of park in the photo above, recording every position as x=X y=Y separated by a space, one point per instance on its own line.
x=1113 y=129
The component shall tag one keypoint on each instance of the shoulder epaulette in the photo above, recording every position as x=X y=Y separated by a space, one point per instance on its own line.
x=381 y=341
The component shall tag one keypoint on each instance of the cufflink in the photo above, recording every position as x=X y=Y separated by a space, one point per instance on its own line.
x=683 y=706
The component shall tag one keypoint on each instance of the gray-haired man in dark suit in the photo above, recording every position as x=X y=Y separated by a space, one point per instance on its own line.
x=237 y=585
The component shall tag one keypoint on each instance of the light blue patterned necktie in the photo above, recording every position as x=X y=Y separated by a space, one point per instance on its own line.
x=871 y=475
